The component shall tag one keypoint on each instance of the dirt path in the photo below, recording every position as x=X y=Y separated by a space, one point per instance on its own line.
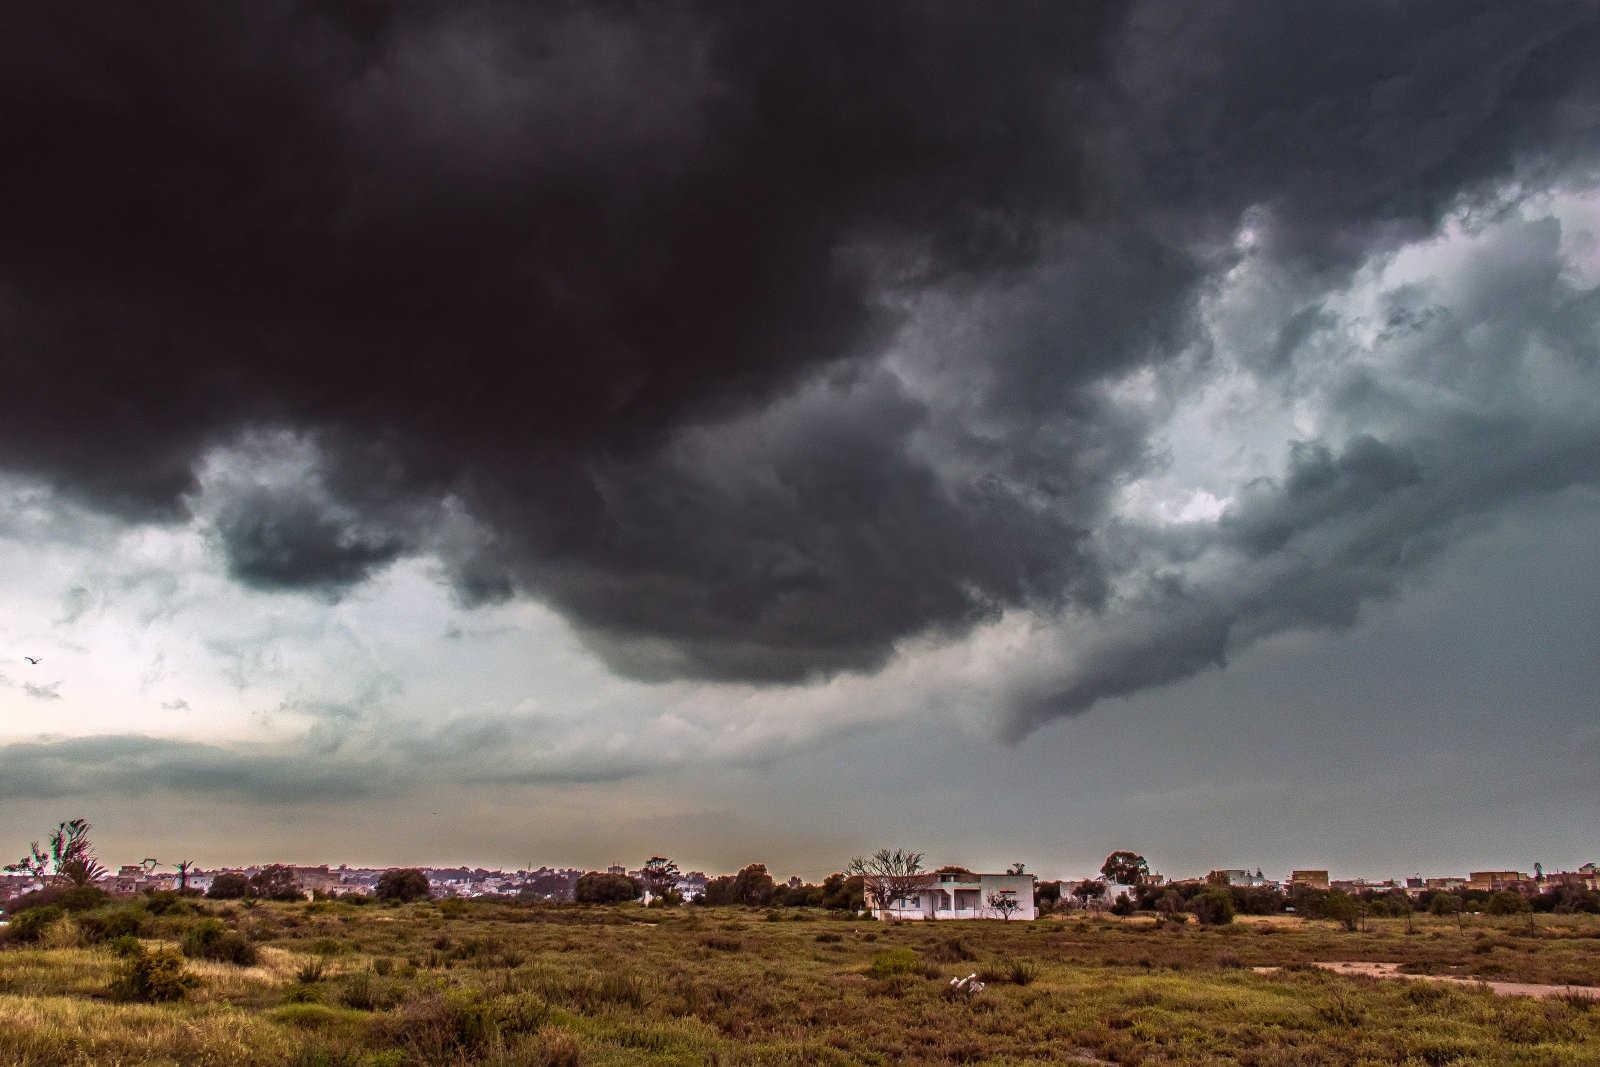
x=1504 y=989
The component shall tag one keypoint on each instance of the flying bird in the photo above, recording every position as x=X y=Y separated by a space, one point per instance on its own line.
x=32 y=659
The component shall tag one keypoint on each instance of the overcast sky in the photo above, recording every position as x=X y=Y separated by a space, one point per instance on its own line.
x=499 y=433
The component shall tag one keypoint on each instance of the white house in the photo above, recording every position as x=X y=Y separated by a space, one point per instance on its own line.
x=964 y=895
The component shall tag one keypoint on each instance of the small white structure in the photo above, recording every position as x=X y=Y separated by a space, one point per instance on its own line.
x=964 y=895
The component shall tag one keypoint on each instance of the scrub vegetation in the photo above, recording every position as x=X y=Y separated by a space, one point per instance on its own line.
x=169 y=980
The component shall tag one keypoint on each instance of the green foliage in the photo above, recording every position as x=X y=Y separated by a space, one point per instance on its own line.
x=597 y=887
x=363 y=992
x=436 y=1027
x=125 y=946
x=210 y=939
x=1343 y=909
x=30 y=925
x=1445 y=904
x=1017 y=971
x=753 y=886
x=276 y=881
x=1507 y=902
x=404 y=884
x=153 y=977
x=1125 y=868
x=121 y=922
x=1214 y=907
x=895 y=961
x=69 y=862
x=229 y=885
x=951 y=950
x=660 y=875
x=66 y=897
x=844 y=892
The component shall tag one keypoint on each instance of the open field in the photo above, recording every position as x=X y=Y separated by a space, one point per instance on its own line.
x=488 y=983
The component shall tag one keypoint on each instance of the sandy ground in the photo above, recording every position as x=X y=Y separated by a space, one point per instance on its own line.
x=1504 y=989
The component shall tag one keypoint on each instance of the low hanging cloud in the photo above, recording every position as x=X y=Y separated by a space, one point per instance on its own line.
x=765 y=344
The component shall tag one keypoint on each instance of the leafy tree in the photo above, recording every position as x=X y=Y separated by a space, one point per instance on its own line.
x=597 y=887
x=1214 y=907
x=184 y=867
x=1017 y=868
x=1507 y=902
x=229 y=885
x=404 y=884
x=888 y=875
x=70 y=862
x=1004 y=903
x=1344 y=909
x=752 y=886
x=843 y=893
x=1125 y=868
x=718 y=891
x=660 y=875
x=1123 y=906
x=1088 y=890
x=276 y=881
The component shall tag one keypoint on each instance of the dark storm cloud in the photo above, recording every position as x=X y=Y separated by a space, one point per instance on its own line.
x=590 y=302
x=1507 y=351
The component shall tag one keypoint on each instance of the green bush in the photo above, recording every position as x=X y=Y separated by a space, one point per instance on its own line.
x=124 y=922
x=1214 y=907
x=365 y=993
x=229 y=885
x=895 y=961
x=1015 y=971
x=126 y=946
x=209 y=939
x=1507 y=902
x=403 y=884
x=435 y=1028
x=153 y=977
x=953 y=950
x=30 y=925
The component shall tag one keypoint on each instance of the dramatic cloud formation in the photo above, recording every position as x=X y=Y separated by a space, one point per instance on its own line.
x=800 y=359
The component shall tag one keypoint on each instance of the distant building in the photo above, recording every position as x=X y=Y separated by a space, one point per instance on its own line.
x=316 y=879
x=1492 y=881
x=1239 y=877
x=1309 y=879
x=1579 y=879
x=964 y=895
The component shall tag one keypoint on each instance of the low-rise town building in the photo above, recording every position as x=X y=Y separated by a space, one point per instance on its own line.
x=965 y=895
